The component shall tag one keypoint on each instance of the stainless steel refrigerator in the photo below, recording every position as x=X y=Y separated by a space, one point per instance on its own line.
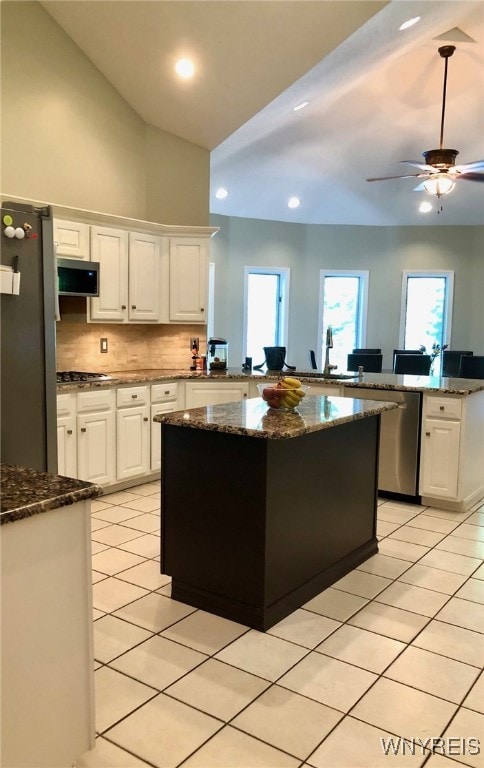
x=28 y=380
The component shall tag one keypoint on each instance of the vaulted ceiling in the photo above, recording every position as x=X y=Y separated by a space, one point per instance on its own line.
x=374 y=94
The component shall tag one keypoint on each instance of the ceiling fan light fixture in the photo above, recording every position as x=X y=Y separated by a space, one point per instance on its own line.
x=439 y=184
x=409 y=23
x=425 y=207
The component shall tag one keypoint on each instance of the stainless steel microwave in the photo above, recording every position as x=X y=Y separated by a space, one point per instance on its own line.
x=77 y=278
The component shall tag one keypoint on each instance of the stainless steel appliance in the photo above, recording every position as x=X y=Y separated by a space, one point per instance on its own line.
x=399 y=439
x=74 y=377
x=28 y=394
x=77 y=278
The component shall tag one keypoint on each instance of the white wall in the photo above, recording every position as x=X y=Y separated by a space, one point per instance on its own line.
x=68 y=137
x=384 y=251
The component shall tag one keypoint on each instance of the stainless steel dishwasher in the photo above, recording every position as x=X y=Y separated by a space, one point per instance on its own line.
x=399 y=438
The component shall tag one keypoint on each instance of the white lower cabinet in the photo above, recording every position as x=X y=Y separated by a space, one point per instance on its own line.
x=96 y=436
x=440 y=458
x=165 y=398
x=200 y=393
x=133 y=432
x=66 y=435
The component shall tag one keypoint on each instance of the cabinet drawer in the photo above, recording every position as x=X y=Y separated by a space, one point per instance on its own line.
x=95 y=400
x=66 y=404
x=162 y=392
x=132 y=396
x=444 y=407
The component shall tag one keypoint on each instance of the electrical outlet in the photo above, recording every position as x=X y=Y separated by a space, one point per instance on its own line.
x=103 y=344
x=194 y=342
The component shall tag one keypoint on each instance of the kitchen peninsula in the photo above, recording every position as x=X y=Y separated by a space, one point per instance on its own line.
x=47 y=713
x=285 y=506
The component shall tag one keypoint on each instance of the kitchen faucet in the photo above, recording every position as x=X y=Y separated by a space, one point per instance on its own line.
x=329 y=345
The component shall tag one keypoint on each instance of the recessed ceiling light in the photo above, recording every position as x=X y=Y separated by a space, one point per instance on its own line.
x=185 y=68
x=293 y=202
x=221 y=193
x=300 y=106
x=409 y=23
x=425 y=207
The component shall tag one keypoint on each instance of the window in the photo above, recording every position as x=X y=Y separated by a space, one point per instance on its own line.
x=265 y=309
x=426 y=314
x=343 y=306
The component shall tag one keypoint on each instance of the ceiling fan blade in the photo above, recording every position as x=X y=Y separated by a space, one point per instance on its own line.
x=422 y=166
x=419 y=187
x=477 y=165
x=408 y=176
x=471 y=176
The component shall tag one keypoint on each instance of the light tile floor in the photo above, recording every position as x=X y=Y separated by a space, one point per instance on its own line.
x=393 y=649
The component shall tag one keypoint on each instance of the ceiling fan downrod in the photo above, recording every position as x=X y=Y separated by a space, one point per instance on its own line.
x=446 y=52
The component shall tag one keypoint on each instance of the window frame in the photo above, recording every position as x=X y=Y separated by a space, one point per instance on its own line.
x=448 y=274
x=364 y=277
x=283 y=320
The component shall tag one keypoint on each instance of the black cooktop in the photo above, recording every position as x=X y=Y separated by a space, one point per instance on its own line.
x=66 y=377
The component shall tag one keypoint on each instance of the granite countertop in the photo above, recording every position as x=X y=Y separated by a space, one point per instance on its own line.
x=27 y=492
x=253 y=418
x=389 y=381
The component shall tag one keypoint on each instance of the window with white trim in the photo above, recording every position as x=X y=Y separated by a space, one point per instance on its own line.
x=343 y=305
x=426 y=313
x=266 y=300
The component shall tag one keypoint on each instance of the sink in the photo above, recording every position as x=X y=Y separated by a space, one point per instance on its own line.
x=320 y=375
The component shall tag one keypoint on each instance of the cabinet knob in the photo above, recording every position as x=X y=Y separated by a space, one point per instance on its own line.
x=134 y=397
x=145 y=418
x=133 y=306
x=245 y=394
x=427 y=434
x=123 y=306
x=202 y=309
x=69 y=431
x=167 y=391
x=83 y=429
x=442 y=407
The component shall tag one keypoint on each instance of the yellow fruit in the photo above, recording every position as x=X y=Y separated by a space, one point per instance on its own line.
x=290 y=381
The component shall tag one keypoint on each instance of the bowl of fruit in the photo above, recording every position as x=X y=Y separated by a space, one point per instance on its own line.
x=284 y=395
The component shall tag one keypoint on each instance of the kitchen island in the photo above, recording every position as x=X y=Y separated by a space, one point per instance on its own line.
x=47 y=714
x=262 y=509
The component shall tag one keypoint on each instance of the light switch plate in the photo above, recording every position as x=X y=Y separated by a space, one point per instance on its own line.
x=103 y=343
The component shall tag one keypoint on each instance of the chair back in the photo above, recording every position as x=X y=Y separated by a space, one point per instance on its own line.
x=367 y=351
x=370 y=363
x=451 y=361
x=404 y=352
x=312 y=359
x=419 y=364
x=472 y=367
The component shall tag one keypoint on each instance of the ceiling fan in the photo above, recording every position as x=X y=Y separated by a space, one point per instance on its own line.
x=439 y=170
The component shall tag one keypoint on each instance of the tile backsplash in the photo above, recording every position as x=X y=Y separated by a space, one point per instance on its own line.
x=130 y=347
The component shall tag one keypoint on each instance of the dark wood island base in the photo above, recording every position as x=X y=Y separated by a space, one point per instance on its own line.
x=254 y=527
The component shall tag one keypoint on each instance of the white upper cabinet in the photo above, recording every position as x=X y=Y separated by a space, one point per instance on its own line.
x=188 y=279
x=110 y=248
x=71 y=239
x=144 y=277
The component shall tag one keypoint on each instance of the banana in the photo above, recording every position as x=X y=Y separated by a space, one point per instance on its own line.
x=289 y=400
x=290 y=381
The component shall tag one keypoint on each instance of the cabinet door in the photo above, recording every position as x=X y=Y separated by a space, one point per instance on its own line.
x=144 y=277
x=66 y=446
x=440 y=458
x=96 y=447
x=133 y=442
x=156 y=432
x=198 y=394
x=188 y=280
x=110 y=248
x=71 y=239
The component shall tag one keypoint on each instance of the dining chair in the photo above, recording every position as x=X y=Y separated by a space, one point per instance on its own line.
x=472 y=367
x=312 y=359
x=404 y=352
x=451 y=361
x=418 y=365
x=370 y=363
x=366 y=351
